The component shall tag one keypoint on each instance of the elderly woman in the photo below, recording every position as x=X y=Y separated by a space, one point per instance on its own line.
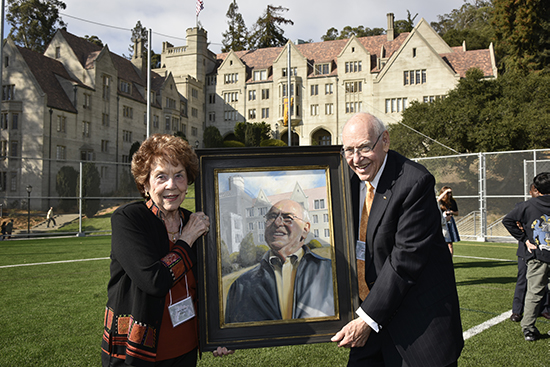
x=150 y=315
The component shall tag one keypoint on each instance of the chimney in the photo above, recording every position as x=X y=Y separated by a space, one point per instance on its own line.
x=390 y=32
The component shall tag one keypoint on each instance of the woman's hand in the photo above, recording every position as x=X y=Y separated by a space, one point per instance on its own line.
x=198 y=225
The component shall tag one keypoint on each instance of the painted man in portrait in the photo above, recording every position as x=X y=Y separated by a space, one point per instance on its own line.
x=290 y=281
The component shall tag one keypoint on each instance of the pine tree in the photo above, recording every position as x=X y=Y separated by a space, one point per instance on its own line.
x=236 y=37
x=267 y=31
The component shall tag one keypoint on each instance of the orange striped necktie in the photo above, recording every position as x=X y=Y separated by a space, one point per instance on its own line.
x=367 y=204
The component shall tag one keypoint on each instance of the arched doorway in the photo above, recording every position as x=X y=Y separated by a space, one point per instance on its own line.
x=321 y=137
x=295 y=138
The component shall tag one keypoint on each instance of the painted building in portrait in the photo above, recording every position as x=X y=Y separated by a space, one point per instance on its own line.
x=245 y=215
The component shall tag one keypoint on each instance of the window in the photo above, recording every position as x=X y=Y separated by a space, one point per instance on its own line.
x=15 y=121
x=265 y=93
x=6 y=61
x=3 y=178
x=231 y=97
x=127 y=112
x=212 y=116
x=211 y=80
x=4 y=148
x=106 y=87
x=60 y=152
x=293 y=71
x=251 y=226
x=262 y=210
x=184 y=128
x=86 y=155
x=328 y=88
x=86 y=128
x=353 y=66
x=411 y=77
x=327 y=232
x=105 y=119
x=325 y=218
x=265 y=113
x=14 y=148
x=125 y=87
x=353 y=107
x=212 y=98
x=8 y=92
x=319 y=204
x=127 y=136
x=230 y=115
x=314 y=109
x=194 y=112
x=87 y=101
x=260 y=75
x=329 y=109
x=125 y=158
x=316 y=233
x=251 y=95
x=167 y=123
x=194 y=93
x=105 y=146
x=249 y=212
x=4 y=121
x=252 y=114
x=61 y=124
x=170 y=103
x=322 y=69
x=13 y=181
x=354 y=87
x=396 y=104
x=156 y=121
x=194 y=131
x=231 y=78
x=314 y=89
x=414 y=52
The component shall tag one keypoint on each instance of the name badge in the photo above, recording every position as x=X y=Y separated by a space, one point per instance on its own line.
x=181 y=311
x=360 y=250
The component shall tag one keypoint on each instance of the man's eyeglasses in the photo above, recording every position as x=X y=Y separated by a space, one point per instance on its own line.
x=363 y=150
x=287 y=218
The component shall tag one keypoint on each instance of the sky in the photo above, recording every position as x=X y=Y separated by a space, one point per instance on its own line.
x=275 y=182
x=112 y=20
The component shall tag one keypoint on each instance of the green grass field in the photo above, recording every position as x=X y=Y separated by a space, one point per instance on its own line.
x=52 y=314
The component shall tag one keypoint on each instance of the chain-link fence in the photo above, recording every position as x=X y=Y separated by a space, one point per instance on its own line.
x=486 y=186
x=81 y=194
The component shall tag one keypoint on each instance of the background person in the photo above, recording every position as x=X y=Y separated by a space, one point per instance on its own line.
x=150 y=314
x=50 y=217
x=534 y=217
x=290 y=281
x=411 y=315
x=448 y=207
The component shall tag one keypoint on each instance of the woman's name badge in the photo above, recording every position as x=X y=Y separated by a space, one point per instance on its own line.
x=181 y=311
x=360 y=250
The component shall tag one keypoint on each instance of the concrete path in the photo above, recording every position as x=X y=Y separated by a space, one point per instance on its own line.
x=60 y=220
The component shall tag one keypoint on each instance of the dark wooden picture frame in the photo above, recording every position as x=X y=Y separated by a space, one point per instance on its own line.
x=216 y=165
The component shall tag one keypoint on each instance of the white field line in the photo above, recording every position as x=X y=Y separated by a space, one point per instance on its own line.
x=53 y=262
x=486 y=325
x=495 y=320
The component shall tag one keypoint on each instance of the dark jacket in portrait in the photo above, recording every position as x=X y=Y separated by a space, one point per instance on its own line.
x=253 y=295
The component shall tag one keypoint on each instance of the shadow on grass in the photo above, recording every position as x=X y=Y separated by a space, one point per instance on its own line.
x=484 y=264
x=485 y=280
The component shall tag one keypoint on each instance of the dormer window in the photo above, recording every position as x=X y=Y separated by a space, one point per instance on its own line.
x=125 y=87
x=260 y=75
x=322 y=69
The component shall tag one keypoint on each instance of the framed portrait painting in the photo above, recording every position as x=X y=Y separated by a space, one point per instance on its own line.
x=275 y=266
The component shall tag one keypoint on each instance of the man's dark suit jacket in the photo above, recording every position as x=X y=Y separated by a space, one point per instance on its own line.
x=409 y=267
x=253 y=295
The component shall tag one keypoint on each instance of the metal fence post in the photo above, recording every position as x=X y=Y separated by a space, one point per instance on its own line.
x=80 y=233
x=482 y=236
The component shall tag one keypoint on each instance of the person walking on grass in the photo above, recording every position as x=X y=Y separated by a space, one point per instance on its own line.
x=50 y=218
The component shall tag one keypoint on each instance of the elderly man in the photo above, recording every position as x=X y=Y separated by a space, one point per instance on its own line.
x=290 y=281
x=409 y=315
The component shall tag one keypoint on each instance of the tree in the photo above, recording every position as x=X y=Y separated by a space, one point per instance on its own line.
x=252 y=134
x=134 y=148
x=65 y=185
x=212 y=137
x=470 y=23
x=34 y=22
x=267 y=31
x=94 y=39
x=236 y=37
x=508 y=113
x=139 y=32
x=522 y=30
x=90 y=188
x=403 y=26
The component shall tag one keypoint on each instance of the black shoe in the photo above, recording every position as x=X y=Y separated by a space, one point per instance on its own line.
x=531 y=336
x=515 y=317
x=546 y=315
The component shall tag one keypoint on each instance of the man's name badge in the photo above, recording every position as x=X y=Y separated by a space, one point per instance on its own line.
x=360 y=250
x=181 y=311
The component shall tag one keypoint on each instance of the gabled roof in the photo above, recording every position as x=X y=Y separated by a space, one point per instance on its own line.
x=84 y=50
x=46 y=71
x=321 y=52
x=460 y=61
